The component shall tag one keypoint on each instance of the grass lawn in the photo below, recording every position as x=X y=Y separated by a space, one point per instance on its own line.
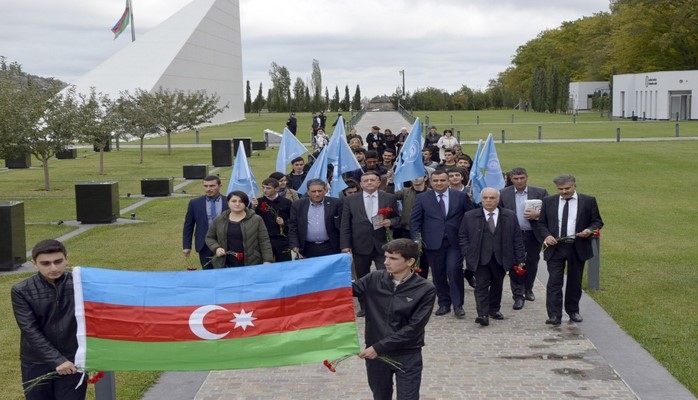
x=644 y=189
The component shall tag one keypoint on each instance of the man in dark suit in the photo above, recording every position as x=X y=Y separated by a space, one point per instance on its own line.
x=567 y=222
x=514 y=198
x=313 y=229
x=490 y=239
x=363 y=228
x=200 y=212
x=436 y=218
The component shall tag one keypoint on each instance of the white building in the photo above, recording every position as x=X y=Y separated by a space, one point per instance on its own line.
x=198 y=48
x=655 y=95
x=581 y=93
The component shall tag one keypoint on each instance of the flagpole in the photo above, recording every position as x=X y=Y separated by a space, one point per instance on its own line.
x=133 y=28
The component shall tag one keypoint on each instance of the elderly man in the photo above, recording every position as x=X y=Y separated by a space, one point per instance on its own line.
x=490 y=239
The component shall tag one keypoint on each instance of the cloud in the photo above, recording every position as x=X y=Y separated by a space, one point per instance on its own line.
x=442 y=44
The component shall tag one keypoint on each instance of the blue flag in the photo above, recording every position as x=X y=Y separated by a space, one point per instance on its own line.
x=409 y=162
x=477 y=178
x=489 y=167
x=289 y=149
x=241 y=178
x=317 y=171
x=338 y=183
x=339 y=153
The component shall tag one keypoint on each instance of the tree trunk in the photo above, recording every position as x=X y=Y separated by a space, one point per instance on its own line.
x=169 y=143
x=101 y=160
x=142 y=149
x=47 y=180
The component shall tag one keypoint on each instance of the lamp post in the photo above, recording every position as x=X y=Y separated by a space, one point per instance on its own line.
x=402 y=72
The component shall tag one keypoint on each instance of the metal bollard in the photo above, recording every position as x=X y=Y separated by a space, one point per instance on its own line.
x=594 y=272
x=617 y=135
x=458 y=136
x=477 y=120
x=512 y=118
x=574 y=118
x=105 y=388
x=503 y=136
x=540 y=133
x=197 y=136
x=677 y=130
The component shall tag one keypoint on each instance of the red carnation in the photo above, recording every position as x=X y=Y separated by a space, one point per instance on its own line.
x=385 y=212
x=239 y=256
x=263 y=207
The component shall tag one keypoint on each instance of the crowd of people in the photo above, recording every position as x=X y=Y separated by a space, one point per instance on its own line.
x=457 y=240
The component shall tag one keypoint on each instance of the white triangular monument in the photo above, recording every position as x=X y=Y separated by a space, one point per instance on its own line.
x=198 y=48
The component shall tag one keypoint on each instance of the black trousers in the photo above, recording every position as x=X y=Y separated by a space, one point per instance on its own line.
x=564 y=255
x=489 y=280
x=205 y=257
x=380 y=377
x=521 y=284
x=280 y=248
x=61 y=387
x=317 y=249
x=447 y=274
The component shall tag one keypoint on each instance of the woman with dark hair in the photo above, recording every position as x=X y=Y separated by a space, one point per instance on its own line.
x=238 y=236
x=447 y=141
x=390 y=140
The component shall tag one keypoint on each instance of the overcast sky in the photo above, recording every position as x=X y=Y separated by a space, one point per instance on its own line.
x=438 y=43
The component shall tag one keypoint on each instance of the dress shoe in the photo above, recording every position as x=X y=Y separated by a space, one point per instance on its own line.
x=459 y=311
x=576 y=317
x=361 y=313
x=497 y=315
x=518 y=304
x=443 y=310
x=530 y=296
x=553 y=321
x=484 y=321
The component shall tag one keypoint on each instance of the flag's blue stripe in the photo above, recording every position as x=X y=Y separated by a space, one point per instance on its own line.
x=220 y=286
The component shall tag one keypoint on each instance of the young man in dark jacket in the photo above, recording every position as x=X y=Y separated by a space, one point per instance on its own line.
x=398 y=304
x=44 y=308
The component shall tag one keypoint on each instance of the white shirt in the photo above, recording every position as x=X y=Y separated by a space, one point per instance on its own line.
x=571 y=216
x=371 y=204
x=495 y=215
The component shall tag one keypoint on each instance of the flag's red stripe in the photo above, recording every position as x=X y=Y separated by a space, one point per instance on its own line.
x=168 y=324
x=120 y=22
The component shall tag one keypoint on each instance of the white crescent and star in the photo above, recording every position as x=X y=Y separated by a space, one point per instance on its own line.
x=196 y=321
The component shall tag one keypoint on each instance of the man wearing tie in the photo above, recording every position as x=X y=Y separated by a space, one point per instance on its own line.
x=490 y=239
x=363 y=231
x=567 y=222
x=514 y=198
x=436 y=218
x=200 y=212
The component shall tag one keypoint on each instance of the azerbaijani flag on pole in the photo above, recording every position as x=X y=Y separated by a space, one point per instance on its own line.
x=295 y=312
x=123 y=22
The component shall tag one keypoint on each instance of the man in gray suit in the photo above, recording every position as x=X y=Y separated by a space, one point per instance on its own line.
x=514 y=198
x=363 y=231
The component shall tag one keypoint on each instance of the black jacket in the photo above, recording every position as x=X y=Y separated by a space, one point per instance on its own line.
x=395 y=317
x=45 y=313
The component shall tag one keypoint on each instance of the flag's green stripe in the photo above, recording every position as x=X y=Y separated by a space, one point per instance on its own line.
x=297 y=347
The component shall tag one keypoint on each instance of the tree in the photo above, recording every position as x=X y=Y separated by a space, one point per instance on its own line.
x=334 y=104
x=35 y=118
x=281 y=86
x=553 y=97
x=98 y=122
x=539 y=91
x=345 y=105
x=179 y=110
x=327 y=100
x=133 y=114
x=258 y=103
x=299 y=95
x=356 y=100
x=248 y=98
x=316 y=87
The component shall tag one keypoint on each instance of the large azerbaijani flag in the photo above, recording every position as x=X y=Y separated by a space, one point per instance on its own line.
x=295 y=312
